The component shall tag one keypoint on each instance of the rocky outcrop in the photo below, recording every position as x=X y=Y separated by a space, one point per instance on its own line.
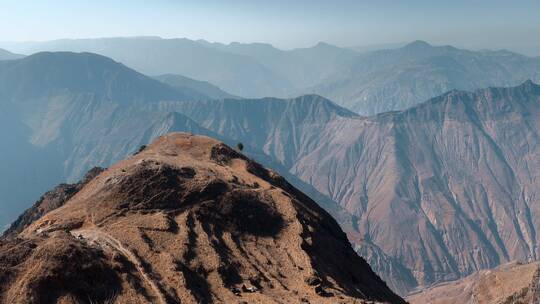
x=534 y=288
x=513 y=283
x=186 y=220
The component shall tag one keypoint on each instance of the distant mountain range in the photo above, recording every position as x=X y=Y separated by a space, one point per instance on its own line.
x=237 y=74
x=365 y=81
x=397 y=79
x=376 y=47
x=5 y=55
x=301 y=68
x=185 y=84
x=428 y=194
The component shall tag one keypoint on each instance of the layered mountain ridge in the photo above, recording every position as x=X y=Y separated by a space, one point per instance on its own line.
x=67 y=112
x=429 y=194
x=237 y=74
x=441 y=190
x=396 y=79
x=64 y=128
x=183 y=83
x=387 y=79
x=6 y=55
x=79 y=72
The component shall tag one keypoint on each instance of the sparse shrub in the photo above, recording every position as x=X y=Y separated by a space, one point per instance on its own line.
x=240 y=146
x=141 y=148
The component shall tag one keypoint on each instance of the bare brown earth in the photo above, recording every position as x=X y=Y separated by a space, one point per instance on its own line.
x=187 y=220
x=512 y=283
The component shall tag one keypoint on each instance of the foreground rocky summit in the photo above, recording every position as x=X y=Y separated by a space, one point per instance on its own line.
x=186 y=220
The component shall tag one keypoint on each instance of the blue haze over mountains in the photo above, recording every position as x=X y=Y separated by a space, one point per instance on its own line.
x=431 y=163
x=367 y=83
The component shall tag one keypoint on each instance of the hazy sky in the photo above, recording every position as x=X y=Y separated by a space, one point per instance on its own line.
x=286 y=24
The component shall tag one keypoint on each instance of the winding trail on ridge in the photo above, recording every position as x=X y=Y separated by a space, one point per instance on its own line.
x=104 y=240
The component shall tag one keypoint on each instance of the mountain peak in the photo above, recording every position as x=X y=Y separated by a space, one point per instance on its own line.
x=320 y=102
x=213 y=224
x=530 y=87
x=7 y=55
x=81 y=73
x=322 y=44
x=418 y=44
x=65 y=56
x=529 y=84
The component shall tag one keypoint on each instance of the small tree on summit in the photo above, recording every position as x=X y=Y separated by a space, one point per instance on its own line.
x=141 y=148
x=240 y=146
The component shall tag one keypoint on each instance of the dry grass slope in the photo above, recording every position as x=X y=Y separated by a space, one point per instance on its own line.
x=186 y=220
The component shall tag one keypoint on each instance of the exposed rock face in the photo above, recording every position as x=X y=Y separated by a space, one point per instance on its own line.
x=462 y=170
x=446 y=188
x=513 y=283
x=186 y=220
x=533 y=292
